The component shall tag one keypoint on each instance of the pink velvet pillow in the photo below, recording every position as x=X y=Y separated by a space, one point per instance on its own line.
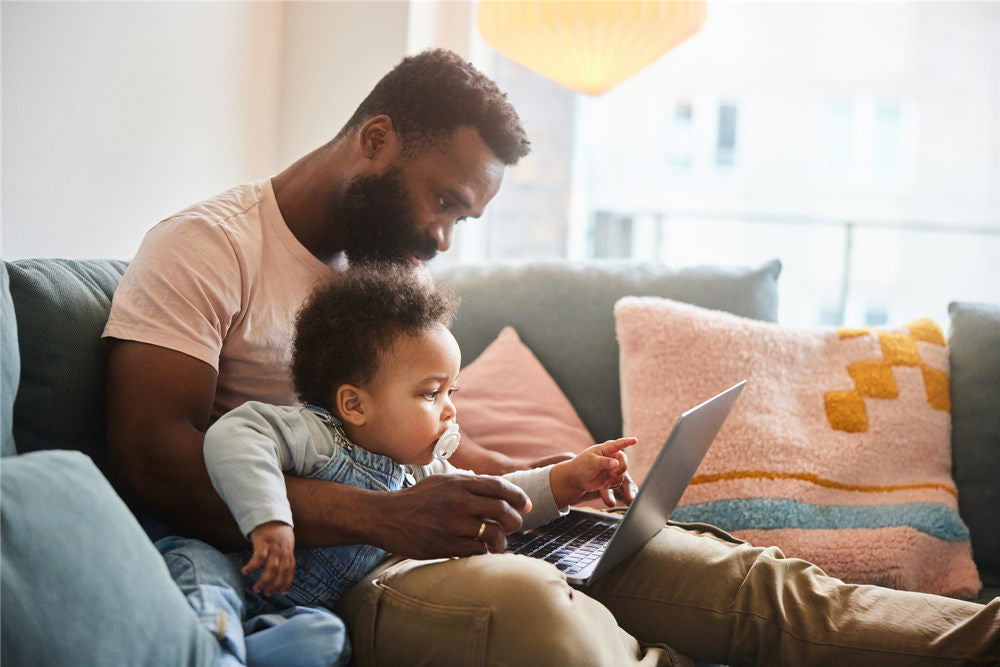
x=838 y=450
x=509 y=403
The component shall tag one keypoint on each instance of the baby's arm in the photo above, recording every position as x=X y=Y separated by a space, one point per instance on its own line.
x=598 y=467
x=246 y=452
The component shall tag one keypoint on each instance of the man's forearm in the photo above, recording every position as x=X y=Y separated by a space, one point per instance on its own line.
x=329 y=514
x=191 y=506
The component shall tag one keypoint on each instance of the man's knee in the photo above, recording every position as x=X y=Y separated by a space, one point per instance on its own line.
x=518 y=610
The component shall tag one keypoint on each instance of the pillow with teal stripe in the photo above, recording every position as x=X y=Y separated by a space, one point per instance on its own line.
x=838 y=451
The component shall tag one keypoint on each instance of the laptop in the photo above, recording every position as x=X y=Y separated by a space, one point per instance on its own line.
x=586 y=544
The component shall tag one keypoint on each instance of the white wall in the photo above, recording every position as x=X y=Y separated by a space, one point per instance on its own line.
x=115 y=115
x=334 y=54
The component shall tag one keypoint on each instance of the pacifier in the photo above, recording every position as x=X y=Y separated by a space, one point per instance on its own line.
x=447 y=443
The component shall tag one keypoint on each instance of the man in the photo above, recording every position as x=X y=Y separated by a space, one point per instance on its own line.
x=202 y=322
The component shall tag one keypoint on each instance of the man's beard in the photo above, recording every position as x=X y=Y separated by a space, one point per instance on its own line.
x=378 y=222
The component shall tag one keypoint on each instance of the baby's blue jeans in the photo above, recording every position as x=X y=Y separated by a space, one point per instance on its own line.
x=293 y=635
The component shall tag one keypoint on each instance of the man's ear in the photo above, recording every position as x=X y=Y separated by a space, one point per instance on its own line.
x=377 y=135
x=351 y=406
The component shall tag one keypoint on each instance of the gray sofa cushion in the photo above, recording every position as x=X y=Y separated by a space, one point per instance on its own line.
x=82 y=584
x=61 y=307
x=563 y=313
x=10 y=365
x=974 y=342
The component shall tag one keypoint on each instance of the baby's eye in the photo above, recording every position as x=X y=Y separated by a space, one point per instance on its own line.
x=431 y=395
x=452 y=390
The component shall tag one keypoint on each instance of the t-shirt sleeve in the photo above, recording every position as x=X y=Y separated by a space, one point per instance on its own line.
x=182 y=291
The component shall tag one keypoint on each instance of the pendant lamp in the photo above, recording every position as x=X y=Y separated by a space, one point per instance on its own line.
x=588 y=46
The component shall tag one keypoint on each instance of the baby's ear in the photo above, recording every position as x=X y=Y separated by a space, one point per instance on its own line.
x=350 y=403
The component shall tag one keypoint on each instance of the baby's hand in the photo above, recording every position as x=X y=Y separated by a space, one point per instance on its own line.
x=273 y=550
x=600 y=467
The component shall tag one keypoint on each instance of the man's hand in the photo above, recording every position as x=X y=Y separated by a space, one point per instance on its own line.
x=441 y=516
x=601 y=467
x=473 y=456
x=273 y=550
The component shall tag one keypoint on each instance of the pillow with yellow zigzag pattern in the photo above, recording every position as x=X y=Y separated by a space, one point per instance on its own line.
x=838 y=451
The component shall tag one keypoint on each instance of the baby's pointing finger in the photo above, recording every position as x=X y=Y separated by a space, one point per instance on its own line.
x=612 y=447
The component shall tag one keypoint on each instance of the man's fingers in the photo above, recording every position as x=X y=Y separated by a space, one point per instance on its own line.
x=501 y=489
x=491 y=510
x=491 y=537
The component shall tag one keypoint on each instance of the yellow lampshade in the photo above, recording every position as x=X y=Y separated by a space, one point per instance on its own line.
x=588 y=46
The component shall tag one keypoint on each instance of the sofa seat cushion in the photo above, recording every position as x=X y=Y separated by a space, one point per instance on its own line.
x=838 y=450
x=82 y=584
x=563 y=313
x=61 y=308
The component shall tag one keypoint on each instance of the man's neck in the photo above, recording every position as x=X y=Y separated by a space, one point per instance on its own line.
x=307 y=193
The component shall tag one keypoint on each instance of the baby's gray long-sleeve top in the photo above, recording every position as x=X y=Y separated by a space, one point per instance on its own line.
x=248 y=450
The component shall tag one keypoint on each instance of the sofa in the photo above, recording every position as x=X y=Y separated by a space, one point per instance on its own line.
x=83 y=585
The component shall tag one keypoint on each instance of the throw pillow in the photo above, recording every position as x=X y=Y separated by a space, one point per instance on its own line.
x=837 y=452
x=61 y=307
x=10 y=364
x=974 y=342
x=508 y=402
x=82 y=584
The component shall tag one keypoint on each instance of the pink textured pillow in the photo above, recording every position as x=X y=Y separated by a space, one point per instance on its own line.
x=838 y=450
x=508 y=402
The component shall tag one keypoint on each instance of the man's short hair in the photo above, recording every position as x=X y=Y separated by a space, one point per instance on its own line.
x=348 y=325
x=430 y=95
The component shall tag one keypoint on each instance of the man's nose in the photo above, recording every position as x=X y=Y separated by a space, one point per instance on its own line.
x=442 y=234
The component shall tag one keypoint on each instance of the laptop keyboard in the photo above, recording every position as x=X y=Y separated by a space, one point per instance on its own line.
x=572 y=543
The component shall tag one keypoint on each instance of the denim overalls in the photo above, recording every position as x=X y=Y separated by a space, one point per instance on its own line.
x=323 y=575
x=297 y=626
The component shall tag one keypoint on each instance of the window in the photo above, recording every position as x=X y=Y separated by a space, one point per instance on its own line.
x=725 y=145
x=612 y=235
x=840 y=137
x=793 y=152
x=887 y=139
x=681 y=136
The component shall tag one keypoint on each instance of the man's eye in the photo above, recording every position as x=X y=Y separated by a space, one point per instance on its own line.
x=445 y=204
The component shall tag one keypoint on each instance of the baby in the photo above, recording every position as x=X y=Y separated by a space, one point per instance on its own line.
x=375 y=367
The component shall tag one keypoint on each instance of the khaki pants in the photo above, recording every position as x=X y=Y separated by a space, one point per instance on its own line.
x=693 y=588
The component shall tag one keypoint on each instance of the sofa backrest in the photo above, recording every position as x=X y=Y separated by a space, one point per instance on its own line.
x=563 y=311
x=10 y=365
x=61 y=307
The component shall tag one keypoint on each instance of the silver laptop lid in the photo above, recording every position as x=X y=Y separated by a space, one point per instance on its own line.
x=668 y=477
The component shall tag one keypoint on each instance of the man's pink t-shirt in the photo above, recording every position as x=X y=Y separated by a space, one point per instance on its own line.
x=222 y=281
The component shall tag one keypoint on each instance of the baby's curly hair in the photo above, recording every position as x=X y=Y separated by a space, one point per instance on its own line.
x=432 y=94
x=347 y=325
